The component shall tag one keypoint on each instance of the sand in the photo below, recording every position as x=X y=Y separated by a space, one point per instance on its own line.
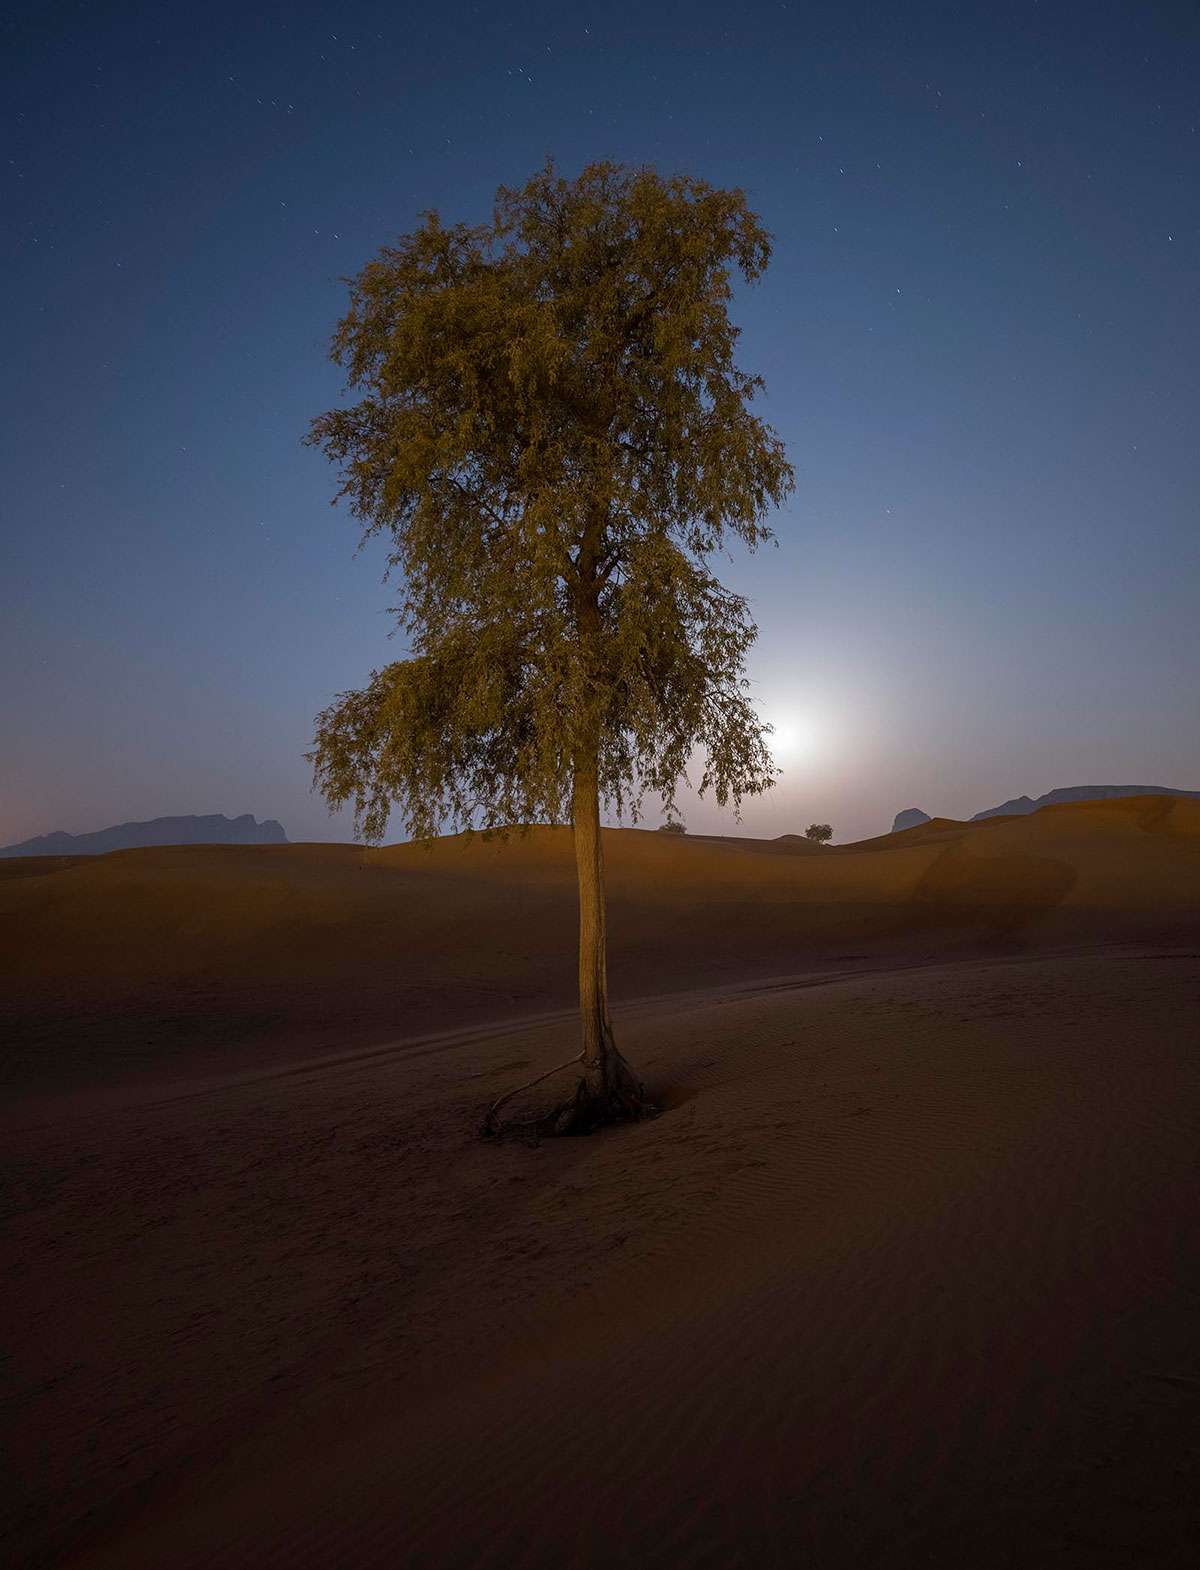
x=905 y=1274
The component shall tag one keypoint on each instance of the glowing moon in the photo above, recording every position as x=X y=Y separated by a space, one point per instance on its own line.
x=797 y=737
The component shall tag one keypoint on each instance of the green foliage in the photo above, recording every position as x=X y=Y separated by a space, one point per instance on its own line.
x=672 y=826
x=553 y=436
x=819 y=833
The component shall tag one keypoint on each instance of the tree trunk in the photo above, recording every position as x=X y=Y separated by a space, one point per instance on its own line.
x=608 y=1092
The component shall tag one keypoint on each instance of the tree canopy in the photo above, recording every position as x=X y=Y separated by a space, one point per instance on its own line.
x=552 y=434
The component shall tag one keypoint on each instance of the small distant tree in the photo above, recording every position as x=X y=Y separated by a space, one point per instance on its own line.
x=819 y=833
x=672 y=826
x=553 y=436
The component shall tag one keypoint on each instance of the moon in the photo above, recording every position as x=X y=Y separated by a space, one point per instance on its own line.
x=797 y=738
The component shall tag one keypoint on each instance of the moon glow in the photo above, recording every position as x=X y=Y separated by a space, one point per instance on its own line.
x=797 y=738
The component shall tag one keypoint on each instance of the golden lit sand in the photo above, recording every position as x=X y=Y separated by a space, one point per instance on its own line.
x=906 y=1273
x=156 y=963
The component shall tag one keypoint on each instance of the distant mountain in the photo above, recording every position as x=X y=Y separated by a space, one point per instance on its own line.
x=909 y=819
x=216 y=829
x=1021 y=804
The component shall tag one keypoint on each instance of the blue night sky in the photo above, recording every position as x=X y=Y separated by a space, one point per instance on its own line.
x=980 y=333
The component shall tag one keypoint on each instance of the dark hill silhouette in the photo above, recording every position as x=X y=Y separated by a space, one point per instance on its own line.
x=1021 y=804
x=909 y=819
x=215 y=829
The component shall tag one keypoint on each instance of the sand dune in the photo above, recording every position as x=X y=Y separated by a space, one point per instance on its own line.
x=154 y=962
x=906 y=1274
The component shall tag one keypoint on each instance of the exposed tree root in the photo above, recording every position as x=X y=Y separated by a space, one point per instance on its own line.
x=492 y=1124
x=588 y=1110
x=619 y=1099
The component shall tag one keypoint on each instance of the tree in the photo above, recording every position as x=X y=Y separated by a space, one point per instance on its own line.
x=553 y=436
x=672 y=826
x=819 y=833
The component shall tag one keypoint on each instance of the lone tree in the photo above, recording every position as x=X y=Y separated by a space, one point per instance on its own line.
x=553 y=436
x=819 y=833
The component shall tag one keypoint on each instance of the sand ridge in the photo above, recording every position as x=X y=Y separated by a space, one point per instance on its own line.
x=127 y=966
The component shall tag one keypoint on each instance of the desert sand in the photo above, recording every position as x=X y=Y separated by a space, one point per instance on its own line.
x=906 y=1274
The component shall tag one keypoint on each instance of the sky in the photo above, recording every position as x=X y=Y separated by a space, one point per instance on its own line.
x=980 y=334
